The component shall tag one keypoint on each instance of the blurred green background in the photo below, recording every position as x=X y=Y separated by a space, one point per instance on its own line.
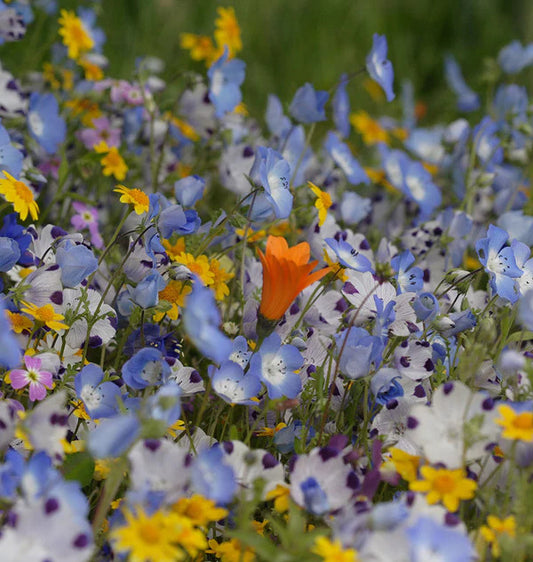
x=289 y=42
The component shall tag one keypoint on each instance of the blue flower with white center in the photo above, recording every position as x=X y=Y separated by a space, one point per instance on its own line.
x=467 y=99
x=189 y=190
x=385 y=386
x=486 y=143
x=165 y=405
x=354 y=208
x=410 y=279
x=212 y=477
x=379 y=67
x=76 y=262
x=240 y=353
x=99 y=398
x=45 y=124
x=232 y=385
x=343 y=157
x=277 y=122
x=275 y=365
x=225 y=78
x=307 y=105
x=274 y=174
x=341 y=107
x=525 y=263
x=201 y=320
x=359 y=351
x=430 y=540
x=10 y=157
x=297 y=154
x=146 y=368
x=348 y=256
x=499 y=262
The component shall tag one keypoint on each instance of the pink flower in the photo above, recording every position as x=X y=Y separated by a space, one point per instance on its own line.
x=101 y=130
x=87 y=217
x=38 y=380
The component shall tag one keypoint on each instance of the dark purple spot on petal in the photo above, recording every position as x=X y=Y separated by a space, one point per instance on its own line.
x=447 y=387
x=228 y=447
x=269 y=461
x=81 y=541
x=51 y=505
x=328 y=453
x=411 y=422
x=152 y=444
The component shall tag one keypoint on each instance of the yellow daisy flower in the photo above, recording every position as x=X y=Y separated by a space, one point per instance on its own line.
x=200 y=47
x=19 y=322
x=18 y=193
x=517 y=426
x=495 y=528
x=323 y=202
x=446 y=486
x=199 y=510
x=406 y=465
x=281 y=495
x=370 y=129
x=332 y=551
x=230 y=551
x=228 y=32
x=174 y=293
x=114 y=165
x=199 y=266
x=45 y=314
x=75 y=36
x=220 y=275
x=174 y=250
x=135 y=197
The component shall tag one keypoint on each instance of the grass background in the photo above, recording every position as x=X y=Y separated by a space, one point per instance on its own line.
x=289 y=42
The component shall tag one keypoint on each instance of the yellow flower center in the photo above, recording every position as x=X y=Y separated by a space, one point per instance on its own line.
x=24 y=192
x=444 y=484
x=524 y=421
x=45 y=313
x=149 y=532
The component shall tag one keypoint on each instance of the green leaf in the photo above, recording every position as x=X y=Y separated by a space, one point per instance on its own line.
x=80 y=467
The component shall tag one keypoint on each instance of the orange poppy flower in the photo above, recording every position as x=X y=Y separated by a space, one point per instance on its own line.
x=286 y=273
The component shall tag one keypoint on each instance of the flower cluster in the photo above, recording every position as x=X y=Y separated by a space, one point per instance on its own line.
x=222 y=342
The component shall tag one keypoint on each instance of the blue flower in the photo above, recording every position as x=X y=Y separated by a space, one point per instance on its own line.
x=11 y=229
x=277 y=122
x=146 y=368
x=426 y=307
x=45 y=124
x=275 y=365
x=285 y=437
x=379 y=67
x=341 y=107
x=232 y=385
x=113 y=436
x=467 y=99
x=225 y=78
x=513 y=58
x=171 y=220
x=307 y=105
x=410 y=279
x=430 y=540
x=146 y=293
x=99 y=398
x=11 y=471
x=189 y=190
x=212 y=477
x=486 y=144
x=9 y=253
x=385 y=386
x=348 y=256
x=343 y=157
x=359 y=351
x=201 y=320
x=10 y=357
x=499 y=262
x=165 y=405
x=10 y=157
x=76 y=262
x=274 y=173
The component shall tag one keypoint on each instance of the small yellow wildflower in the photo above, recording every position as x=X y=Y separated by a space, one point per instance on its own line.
x=92 y=71
x=340 y=271
x=220 y=278
x=446 y=486
x=281 y=495
x=174 y=293
x=19 y=322
x=495 y=528
x=200 y=47
x=102 y=468
x=184 y=128
x=241 y=109
x=75 y=36
x=332 y=551
x=516 y=426
x=147 y=537
x=80 y=411
x=228 y=32
x=323 y=202
x=135 y=197
x=201 y=511
x=114 y=165
x=174 y=250
x=199 y=266
x=45 y=314
x=406 y=465
x=175 y=429
x=18 y=193
x=230 y=551
x=87 y=109
x=370 y=129
x=259 y=526
x=73 y=447
x=270 y=431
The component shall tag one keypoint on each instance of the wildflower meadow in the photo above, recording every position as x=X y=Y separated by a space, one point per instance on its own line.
x=304 y=334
